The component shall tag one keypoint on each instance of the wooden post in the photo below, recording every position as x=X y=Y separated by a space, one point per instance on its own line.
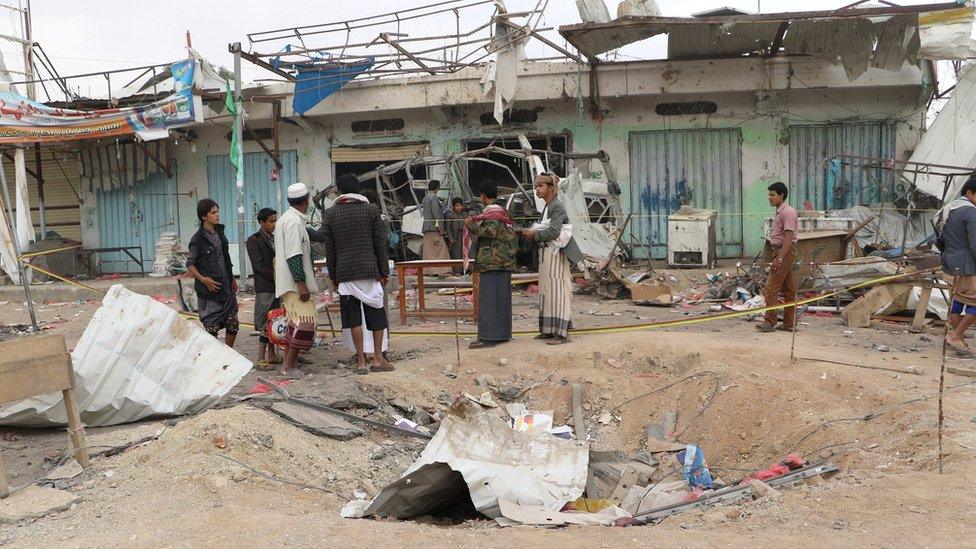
x=402 y=297
x=921 y=309
x=4 y=487
x=421 y=298
x=75 y=429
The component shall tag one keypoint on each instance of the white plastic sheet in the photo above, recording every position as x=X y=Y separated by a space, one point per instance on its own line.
x=137 y=358
x=951 y=141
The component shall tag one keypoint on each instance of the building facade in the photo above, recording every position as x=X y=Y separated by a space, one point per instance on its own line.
x=710 y=133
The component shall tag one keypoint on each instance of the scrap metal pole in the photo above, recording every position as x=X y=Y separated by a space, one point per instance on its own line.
x=239 y=175
x=21 y=271
x=942 y=368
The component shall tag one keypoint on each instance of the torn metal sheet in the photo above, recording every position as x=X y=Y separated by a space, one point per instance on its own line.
x=852 y=271
x=137 y=358
x=514 y=513
x=8 y=253
x=638 y=8
x=592 y=238
x=493 y=462
x=888 y=226
x=948 y=34
x=593 y=11
x=951 y=141
x=711 y=40
x=897 y=43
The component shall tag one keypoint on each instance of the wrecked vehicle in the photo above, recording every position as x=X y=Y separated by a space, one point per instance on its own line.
x=591 y=196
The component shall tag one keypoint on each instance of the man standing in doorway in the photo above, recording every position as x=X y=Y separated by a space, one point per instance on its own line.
x=780 y=287
x=260 y=249
x=957 y=225
x=356 y=242
x=209 y=263
x=434 y=246
x=294 y=278
x=557 y=253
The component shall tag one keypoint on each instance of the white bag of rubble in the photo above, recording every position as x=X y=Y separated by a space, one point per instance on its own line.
x=137 y=358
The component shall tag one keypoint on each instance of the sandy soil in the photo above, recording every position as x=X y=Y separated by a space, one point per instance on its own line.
x=749 y=405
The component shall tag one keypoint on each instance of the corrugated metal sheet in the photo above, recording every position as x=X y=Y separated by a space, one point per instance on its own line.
x=698 y=167
x=136 y=217
x=812 y=146
x=379 y=153
x=696 y=41
x=60 y=172
x=259 y=190
x=951 y=141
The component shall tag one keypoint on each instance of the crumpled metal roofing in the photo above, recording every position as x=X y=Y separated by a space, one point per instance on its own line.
x=825 y=34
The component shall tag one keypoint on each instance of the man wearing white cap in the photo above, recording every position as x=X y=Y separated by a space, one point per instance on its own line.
x=294 y=278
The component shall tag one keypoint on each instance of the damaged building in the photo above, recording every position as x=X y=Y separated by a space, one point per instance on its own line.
x=739 y=101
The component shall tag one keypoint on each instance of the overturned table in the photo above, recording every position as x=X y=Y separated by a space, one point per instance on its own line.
x=422 y=311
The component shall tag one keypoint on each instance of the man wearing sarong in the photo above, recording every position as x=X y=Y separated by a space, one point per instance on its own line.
x=557 y=253
x=494 y=262
x=957 y=227
x=209 y=263
x=294 y=278
x=434 y=246
x=356 y=243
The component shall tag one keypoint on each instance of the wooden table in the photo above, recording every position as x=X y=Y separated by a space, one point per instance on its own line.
x=422 y=311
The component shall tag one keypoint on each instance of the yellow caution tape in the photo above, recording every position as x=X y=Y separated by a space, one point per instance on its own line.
x=49 y=252
x=604 y=330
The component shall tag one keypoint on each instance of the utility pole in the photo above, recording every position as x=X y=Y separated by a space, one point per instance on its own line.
x=235 y=48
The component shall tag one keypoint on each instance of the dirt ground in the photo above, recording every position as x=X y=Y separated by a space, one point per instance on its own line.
x=747 y=407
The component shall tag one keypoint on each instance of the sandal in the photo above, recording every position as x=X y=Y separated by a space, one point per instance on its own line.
x=959 y=351
x=544 y=336
x=263 y=366
x=387 y=368
x=557 y=341
x=481 y=344
x=277 y=359
x=361 y=371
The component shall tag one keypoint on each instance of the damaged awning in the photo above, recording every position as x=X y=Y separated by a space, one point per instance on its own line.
x=883 y=37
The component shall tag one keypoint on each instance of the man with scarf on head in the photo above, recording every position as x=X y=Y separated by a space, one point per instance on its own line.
x=294 y=277
x=557 y=253
x=494 y=261
x=356 y=241
x=957 y=229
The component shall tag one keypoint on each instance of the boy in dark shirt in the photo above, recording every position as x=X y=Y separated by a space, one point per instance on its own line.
x=454 y=225
x=260 y=248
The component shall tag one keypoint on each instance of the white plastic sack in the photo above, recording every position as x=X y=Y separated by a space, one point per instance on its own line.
x=137 y=358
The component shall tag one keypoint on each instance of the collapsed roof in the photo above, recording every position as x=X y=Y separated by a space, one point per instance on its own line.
x=884 y=37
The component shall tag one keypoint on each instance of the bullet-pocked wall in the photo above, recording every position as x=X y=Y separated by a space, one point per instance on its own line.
x=745 y=134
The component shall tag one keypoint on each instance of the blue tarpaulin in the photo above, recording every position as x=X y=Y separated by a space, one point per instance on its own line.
x=316 y=82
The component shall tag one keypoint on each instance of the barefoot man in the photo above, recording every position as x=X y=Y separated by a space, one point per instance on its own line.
x=356 y=242
x=957 y=221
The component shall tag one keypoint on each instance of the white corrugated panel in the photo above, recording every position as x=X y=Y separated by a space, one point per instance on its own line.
x=137 y=358
x=951 y=141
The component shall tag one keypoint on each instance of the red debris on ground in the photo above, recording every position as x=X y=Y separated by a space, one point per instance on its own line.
x=262 y=389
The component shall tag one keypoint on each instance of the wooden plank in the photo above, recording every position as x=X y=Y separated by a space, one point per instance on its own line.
x=75 y=429
x=898 y=305
x=967 y=372
x=627 y=479
x=858 y=313
x=918 y=322
x=34 y=366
